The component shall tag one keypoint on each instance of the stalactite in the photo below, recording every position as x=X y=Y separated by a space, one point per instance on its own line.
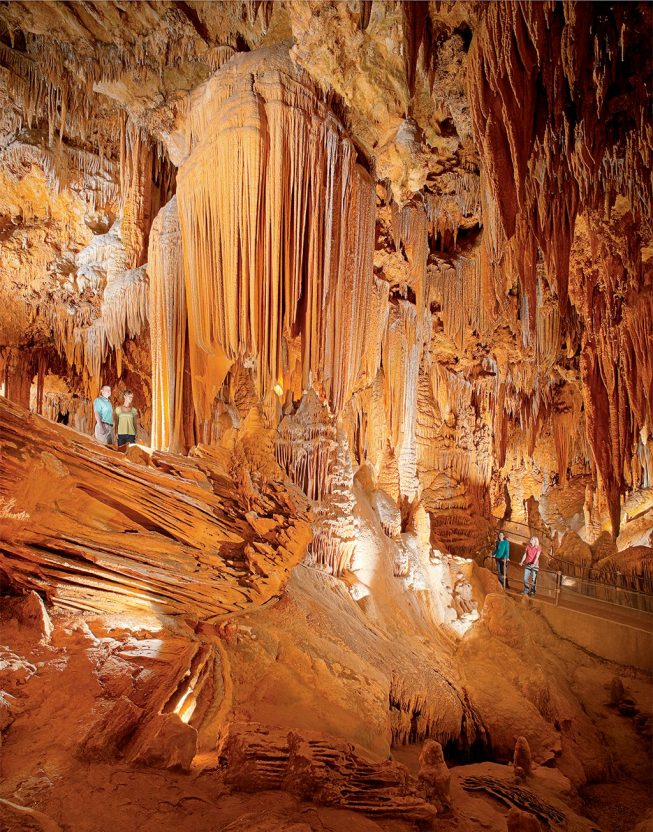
x=458 y=290
x=456 y=205
x=636 y=351
x=68 y=166
x=377 y=316
x=145 y=185
x=218 y=55
x=547 y=331
x=55 y=83
x=335 y=530
x=103 y=304
x=417 y=30
x=40 y=378
x=564 y=420
x=285 y=247
x=124 y=309
x=167 y=328
x=399 y=348
x=615 y=349
x=560 y=124
x=402 y=349
x=411 y=232
x=365 y=418
x=305 y=446
x=85 y=339
x=76 y=409
x=419 y=710
x=452 y=392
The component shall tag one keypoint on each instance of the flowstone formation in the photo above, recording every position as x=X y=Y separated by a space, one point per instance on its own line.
x=379 y=276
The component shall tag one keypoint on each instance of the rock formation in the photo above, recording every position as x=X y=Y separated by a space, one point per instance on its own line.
x=522 y=761
x=165 y=534
x=379 y=275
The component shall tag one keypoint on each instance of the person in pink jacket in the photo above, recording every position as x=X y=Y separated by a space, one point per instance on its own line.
x=531 y=563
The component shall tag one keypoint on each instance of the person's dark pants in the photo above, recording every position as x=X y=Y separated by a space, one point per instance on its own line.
x=502 y=569
x=126 y=439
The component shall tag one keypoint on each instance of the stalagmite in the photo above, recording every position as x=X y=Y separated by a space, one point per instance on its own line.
x=522 y=761
x=434 y=776
x=335 y=531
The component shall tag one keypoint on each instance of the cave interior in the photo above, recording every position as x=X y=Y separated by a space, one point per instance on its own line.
x=377 y=278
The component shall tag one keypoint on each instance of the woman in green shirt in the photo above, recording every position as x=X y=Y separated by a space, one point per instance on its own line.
x=502 y=557
x=126 y=418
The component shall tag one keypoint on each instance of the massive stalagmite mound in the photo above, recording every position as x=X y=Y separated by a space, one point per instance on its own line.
x=379 y=278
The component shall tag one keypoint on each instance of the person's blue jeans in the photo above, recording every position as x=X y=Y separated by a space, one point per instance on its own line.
x=528 y=571
x=502 y=569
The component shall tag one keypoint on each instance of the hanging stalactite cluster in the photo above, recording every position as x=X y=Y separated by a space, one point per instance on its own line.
x=458 y=282
x=286 y=247
x=561 y=124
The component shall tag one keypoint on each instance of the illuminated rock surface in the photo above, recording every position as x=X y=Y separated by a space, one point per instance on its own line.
x=380 y=277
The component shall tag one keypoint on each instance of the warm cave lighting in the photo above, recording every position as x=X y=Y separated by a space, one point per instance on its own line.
x=186 y=705
x=145 y=448
x=374 y=281
x=358 y=591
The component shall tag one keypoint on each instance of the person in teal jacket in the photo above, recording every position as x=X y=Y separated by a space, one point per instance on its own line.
x=502 y=556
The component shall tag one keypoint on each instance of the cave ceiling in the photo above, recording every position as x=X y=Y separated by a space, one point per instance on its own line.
x=445 y=219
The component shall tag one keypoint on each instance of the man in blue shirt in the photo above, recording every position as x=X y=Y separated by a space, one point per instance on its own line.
x=103 y=417
x=502 y=556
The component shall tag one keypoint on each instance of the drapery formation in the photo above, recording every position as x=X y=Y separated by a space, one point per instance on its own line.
x=167 y=328
x=277 y=224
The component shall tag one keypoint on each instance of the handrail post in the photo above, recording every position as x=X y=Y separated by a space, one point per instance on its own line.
x=558 y=587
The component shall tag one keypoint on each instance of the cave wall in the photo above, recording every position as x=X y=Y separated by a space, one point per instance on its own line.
x=440 y=232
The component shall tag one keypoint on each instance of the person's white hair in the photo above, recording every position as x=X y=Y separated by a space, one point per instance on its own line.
x=535 y=541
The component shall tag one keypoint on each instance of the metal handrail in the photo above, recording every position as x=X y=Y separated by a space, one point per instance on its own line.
x=508 y=562
x=586 y=573
x=594 y=590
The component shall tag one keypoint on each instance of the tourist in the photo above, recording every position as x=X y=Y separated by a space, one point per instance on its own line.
x=502 y=557
x=531 y=563
x=127 y=417
x=103 y=417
